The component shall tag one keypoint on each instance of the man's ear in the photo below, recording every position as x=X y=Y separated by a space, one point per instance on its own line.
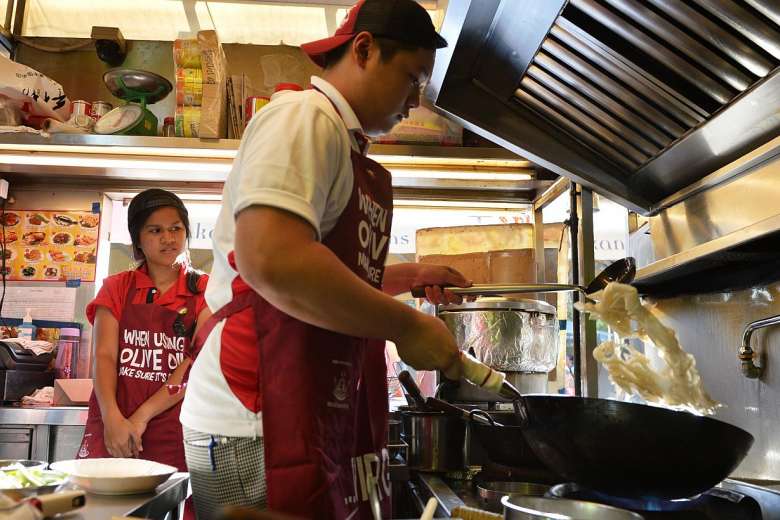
x=362 y=46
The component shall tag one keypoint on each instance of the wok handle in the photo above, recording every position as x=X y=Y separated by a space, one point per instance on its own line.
x=482 y=417
x=443 y=406
x=407 y=381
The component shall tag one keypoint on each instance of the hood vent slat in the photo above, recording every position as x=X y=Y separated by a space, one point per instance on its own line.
x=600 y=87
x=745 y=23
x=649 y=46
x=637 y=141
x=715 y=36
x=683 y=44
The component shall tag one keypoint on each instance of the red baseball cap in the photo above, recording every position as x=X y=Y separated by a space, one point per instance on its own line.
x=402 y=20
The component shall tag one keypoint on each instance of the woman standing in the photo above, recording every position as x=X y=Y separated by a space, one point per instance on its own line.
x=143 y=322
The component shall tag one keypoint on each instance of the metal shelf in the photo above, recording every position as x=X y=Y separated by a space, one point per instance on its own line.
x=126 y=162
x=184 y=146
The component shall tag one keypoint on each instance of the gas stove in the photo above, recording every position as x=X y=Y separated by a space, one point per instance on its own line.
x=730 y=500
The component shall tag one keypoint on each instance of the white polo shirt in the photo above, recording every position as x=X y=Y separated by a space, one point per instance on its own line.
x=295 y=155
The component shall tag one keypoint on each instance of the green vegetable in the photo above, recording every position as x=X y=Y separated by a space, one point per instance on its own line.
x=17 y=476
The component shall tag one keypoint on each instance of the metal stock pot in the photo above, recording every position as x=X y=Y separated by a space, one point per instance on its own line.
x=511 y=335
x=436 y=440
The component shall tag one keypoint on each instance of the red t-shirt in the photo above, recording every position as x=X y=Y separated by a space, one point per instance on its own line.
x=114 y=293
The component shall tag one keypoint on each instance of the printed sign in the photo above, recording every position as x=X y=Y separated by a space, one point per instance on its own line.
x=50 y=245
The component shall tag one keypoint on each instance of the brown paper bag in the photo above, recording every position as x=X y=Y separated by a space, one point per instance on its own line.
x=213 y=116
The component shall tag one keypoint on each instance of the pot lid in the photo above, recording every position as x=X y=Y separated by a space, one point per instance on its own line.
x=120 y=119
x=500 y=303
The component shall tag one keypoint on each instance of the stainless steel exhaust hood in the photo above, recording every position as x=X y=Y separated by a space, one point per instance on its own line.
x=637 y=99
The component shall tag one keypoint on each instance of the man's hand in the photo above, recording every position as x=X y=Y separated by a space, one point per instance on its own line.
x=429 y=345
x=400 y=278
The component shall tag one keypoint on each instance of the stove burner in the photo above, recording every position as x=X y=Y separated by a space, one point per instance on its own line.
x=715 y=504
x=575 y=491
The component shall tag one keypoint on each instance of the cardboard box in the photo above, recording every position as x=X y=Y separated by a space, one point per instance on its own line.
x=72 y=392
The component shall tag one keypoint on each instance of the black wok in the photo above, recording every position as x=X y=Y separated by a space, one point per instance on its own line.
x=623 y=449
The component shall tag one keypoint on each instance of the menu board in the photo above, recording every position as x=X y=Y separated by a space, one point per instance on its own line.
x=50 y=245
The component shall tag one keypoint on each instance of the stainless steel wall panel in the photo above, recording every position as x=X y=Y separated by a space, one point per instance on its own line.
x=634 y=35
x=636 y=141
x=684 y=45
x=710 y=328
x=753 y=28
x=719 y=38
x=723 y=209
x=641 y=82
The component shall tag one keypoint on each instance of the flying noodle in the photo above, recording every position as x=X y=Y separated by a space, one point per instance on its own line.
x=678 y=384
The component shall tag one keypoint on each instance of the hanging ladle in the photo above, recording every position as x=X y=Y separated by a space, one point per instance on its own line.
x=621 y=271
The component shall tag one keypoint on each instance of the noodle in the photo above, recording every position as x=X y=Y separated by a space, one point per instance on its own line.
x=678 y=384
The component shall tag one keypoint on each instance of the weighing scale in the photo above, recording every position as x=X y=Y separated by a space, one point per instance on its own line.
x=138 y=88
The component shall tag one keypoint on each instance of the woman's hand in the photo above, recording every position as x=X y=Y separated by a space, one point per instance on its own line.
x=139 y=425
x=121 y=436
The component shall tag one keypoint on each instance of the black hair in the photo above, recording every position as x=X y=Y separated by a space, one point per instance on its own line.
x=388 y=48
x=139 y=220
x=141 y=208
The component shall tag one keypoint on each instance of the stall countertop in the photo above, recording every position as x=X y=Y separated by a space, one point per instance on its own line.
x=165 y=498
x=50 y=415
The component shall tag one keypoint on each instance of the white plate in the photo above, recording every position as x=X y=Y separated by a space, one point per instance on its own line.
x=115 y=476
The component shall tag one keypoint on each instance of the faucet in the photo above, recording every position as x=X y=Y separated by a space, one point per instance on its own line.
x=745 y=354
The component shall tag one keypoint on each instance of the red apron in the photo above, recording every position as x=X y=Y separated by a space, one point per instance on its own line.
x=149 y=351
x=323 y=394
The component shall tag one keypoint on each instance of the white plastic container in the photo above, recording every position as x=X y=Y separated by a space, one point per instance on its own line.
x=27 y=329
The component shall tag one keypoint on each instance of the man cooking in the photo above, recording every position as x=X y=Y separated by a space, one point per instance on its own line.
x=287 y=401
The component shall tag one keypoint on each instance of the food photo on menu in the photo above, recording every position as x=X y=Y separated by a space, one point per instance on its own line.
x=49 y=245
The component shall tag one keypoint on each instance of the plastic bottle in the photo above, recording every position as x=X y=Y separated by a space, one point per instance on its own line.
x=67 y=353
x=27 y=329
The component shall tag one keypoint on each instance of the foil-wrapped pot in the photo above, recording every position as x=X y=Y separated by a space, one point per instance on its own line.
x=510 y=335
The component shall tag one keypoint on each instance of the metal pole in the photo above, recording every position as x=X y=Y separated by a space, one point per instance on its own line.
x=9 y=16
x=16 y=30
x=574 y=226
x=588 y=272
x=539 y=245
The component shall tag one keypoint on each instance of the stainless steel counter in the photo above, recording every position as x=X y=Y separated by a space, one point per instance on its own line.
x=51 y=416
x=50 y=434
x=167 y=498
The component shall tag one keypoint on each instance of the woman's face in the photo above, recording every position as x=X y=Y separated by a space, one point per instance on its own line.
x=163 y=237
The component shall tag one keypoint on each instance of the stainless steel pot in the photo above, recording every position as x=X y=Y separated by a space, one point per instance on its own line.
x=436 y=440
x=491 y=493
x=538 y=508
x=511 y=335
x=394 y=431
